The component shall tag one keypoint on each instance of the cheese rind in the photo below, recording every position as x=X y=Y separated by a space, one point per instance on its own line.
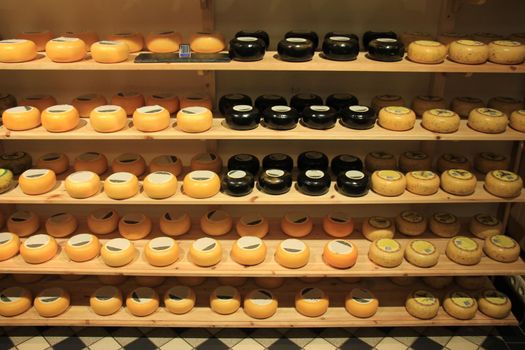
x=485 y=225
x=82 y=184
x=423 y=103
x=468 y=52
x=38 y=249
x=444 y=224
x=118 y=252
x=449 y=161
x=460 y=305
x=167 y=100
x=311 y=302
x=86 y=103
x=82 y=247
x=487 y=120
x=58 y=162
x=91 y=161
x=216 y=222
x=173 y=223
x=463 y=105
x=422 y=182
x=37 y=181
x=225 y=300
x=503 y=183
x=517 y=120
x=441 y=120
x=361 y=303
x=17 y=50
x=292 y=253
x=23 y=223
x=396 y=118
x=160 y=185
x=421 y=253
x=505 y=104
x=109 y=51
x=414 y=160
x=135 y=226
x=205 y=252
x=340 y=253
x=207 y=42
x=260 y=304
x=161 y=251
x=377 y=227
x=386 y=252
x=194 y=119
x=52 y=302
x=39 y=38
x=61 y=225
x=494 y=303
x=502 y=248
x=14 y=301
x=296 y=224
x=106 y=300
x=458 y=182
x=66 y=50
x=121 y=185
x=422 y=304
x=506 y=52
x=249 y=251
x=142 y=301
x=338 y=225
x=380 y=161
x=464 y=250
x=151 y=118
x=39 y=101
x=179 y=299
x=163 y=42
x=103 y=221
x=21 y=118
x=390 y=183
x=201 y=184
x=60 y=118
x=427 y=51
x=252 y=225
x=135 y=41
x=129 y=101
x=9 y=245
x=411 y=223
x=108 y=118
x=485 y=162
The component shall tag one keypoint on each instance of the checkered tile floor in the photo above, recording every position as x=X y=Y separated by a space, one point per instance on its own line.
x=430 y=338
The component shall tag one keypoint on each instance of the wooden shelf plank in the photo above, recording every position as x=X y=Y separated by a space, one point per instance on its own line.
x=391 y=312
x=271 y=63
x=220 y=131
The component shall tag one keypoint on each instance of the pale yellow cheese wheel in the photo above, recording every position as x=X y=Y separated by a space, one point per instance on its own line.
x=464 y=250
x=17 y=50
x=377 y=227
x=66 y=50
x=421 y=253
x=468 y=51
x=388 y=183
x=427 y=51
x=225 y=300
x=422 y=182
x=502 y=248
x=503 y=183
x=488 y=120
x=506 y=52
x=260 y=304
x=517 y=120
x=109 y=51
x=464 y=104
x=485 y=225
x=485 y=162
x=396 y=118
x=179 y=299
x=142 y=301
x=311 y=302
x=494 y=303
x=440 y=120
x=52 y=302
x=386 y=252
x=458 y=182
x=292 y=253
x=444 y=224
x=411 y=223
x=422 y=304
x=460 y=305
x=106 y=300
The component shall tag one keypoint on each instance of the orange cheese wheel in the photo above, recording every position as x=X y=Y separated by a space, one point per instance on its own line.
x=14 y=301
x=52 y=302
x=118 y=252
x=82 y=247
x=37 y=181
x=61 y=224
x=129 y=162
x=109 y=51
x=160 y=185
x=103 y=221
x=135 y=226
x=82 y=184
x=194 y=119
x=196 y=100
x=91 y=161
x=206 y=161
x=151 y=118
x=87 y=36
x=216 y=223
x=38 y=249
x=204 y=42
x=66 y=50
x=142 y=301
x=135 y=41
x=23 y=223
x=130 y=101
x=292 y=253
x=361 y=303
x=179 y=299
x=108 y=118
x=161 y=251
x=167 y=100
x=86 y=103
x=163 y=42
x=340 y=253
x=296 y=224
x=60 y=118
x=40 y=38
x=338 y=225
x=252 y=225
x=311 y=302
x=21 y=118
x=106 y=300
x=39 y=101
x=260 y=304
x=225 y=300
x=173 y=223
x=249 y=251
x=58 y=162
x=121 y=185
x=169 y=163
x=9 y=245
x=17 y=50
x=201 y=184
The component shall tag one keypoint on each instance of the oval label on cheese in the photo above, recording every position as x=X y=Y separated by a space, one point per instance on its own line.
x=50 y=295
x=388 y=245
x=314 y=174
x=201 y=175
x=486 y=219
x=354 y=174
x=80 y=240
x=236 y=174
x=64 y=39
x=247 y=38
x=460 y=174
x=150 y=109
x=142 y=295
x=194 y=110
x=37 y=241
x=281 y=109
x=489 y=112
x=6 y=237
x=81 y=176
x=118 y=244
x=178 y=293
x=416 y=155
x=465 y=243
x=386 y=40
x=161 y=243
x=296 y=218
x=340 y=38
x=249 y=242
x=252 y=220
x=11 y=294
x=470 y=42
x=106 y=293
x=261 y=297
x=121 y=177
x=503 y=241
x=389 y=175
x=225 y=292
x=49 y=157
x=445 y=113
x=379 y=222
x=361 y=296
x=430 y=43
x=317 y=108
x=445 y=218
x=128 y=158
x=424 y=298
x=60 y=109
x=423 y=175
x=359 y=109
x=160 y=177
x=312 y=295
x=412 y=216
x=504 y=175
x=242 y=108
x=507 y=43
x=423 y=247
x=462 y=299
x=340 y=247
x=293 y=246
x=274 y=172
x=296 y=40
x=495 y=297
x=19 y=109
x=35 y=173
x=492 y=156
x=107 y=109
x=205 y=244
x=398 y=110
x=13 y=41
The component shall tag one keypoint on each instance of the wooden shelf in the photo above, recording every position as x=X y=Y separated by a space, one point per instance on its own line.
x=391 y=312
x=220 y=131
x=271 y=63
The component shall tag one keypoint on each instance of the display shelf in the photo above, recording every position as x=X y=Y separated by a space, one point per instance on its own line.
x=271 y=63
x=220 y=131
x=391 y=313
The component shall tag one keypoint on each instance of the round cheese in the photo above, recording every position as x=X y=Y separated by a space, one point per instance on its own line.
x=191 y=281
x=196 y=101
x=39 y=101
x=409 y=37
x=502 y=248
x=82 y=247
x=504 y=104
x=109 y=51
x=160 y=184
x=388 y=183
x=437 y=282
x=464 y=105
x=163 y=42
x=61 y=224
x=121 y=185
x=86 y=103
x=17 y=50
x=292 y=253
x=311 y=302
x=40 y=38
x=517 y=120
x=108 y=118
x=82 y=184
x=296 y=224
x=444 y=224
x=204 y=42
x=458 y=182
x=421 y=253
x=118 y=252
x=91 y=161
x=151 y=118
x=396 y=118
x=129 y=101
x=15 y=301
x=412 y=161
x=483 y=36
x=487 y=120
x=167 y=100
x=201 y=184
x=21 y=118
x=460 y=305
x=60 y=118
x=485 y=225
x=194 y=119
x=386 y=252
x=468 y=51
x=37 y=181
x=494 y=304
x=142 y=301
x=423 y=103
x=440 y=120
x=485 y=162
x=135 y=41
x=38 y=249
x=506 y=52
x=23 y=223
x=380 y=161
x=340 y=253
x=381 y=101
x=161 y=251
x=52 y=302
x=205 y=252
x=411 y=223
x=169 y=163
x=377 y=227
x=87 y=36
x=338 y=225
x=206 y=161
x=135 y=226
x=269 y=282
x=66 y=50
x=225 y=300
x=422 y=304
x=260 y=304
x=361 y=303
x=149 y=281
x=9 y=245
x=452 y=161
x=106 y=300
x=216 y=223
x=252 y=225
x=102 y=221
x=129 y=162
x=179 y=299
x=464 y=250
x=422 y=182
x=174 y=223
x=427 y=51
x=503 y=183
x=249 y=251
x=58 y=162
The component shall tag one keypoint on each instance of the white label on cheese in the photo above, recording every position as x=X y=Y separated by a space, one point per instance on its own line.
x=361 y=296
x=242 y=108
x=205 y=244
x=142 y=295
x=5 y=237
x=106 y=293
x=64 y=39
x=445 y=113
x=80 y=240
x=50 y=295
x=249 y=242
x=178 y=293
x=261 y=297
x=386 y=40
x=11 y=295
x=274 y=172
x=225 y=292
x=312 y=295
x=35 y=173
x=81 y=176
x=107 y=109
x=340 y=38
x=109 y=43
x=296 y=40
x=201 y=175
x=37 y=241
x=489 y=112
x=314 y=174
x=161 y=243
x=319 y=108
x=340 y=247
x=359 y=109
x=150 y=109
x=354 y=174
x=160 y=177
x=120 y=177
x=195 y=110
x=247 y=38
x=118 y=244
x=281 y=109
x=13 y=41
x=59 y=109
x=470 y=42
x=19 y=109
x=236 y=174
x=293 y=245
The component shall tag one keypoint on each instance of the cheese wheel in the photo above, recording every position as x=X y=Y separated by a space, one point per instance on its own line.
x=58 y=162
x=361 y=303
x=458 y=182
x=108 y=118
x=142 y=301
x=487 y=120
x=422 y=182
x=380 y=101
x=15 y=301
x=21 y=118
x=60 y=118
x=39 y=101
x=464 y=105
x=422 y=304
x=206 y=161
x=411 y=223
x=160 y=184
x=292 y=253
x=121 y=185
x=252 y=225
x=169 y=163
x=260 y=304
x=485 y=162
x=423 y=103
x=204 y=42
x=112 y=280
x=161 y=251
x=23 y=223
x=444 y=224
x=464 y=250
x=517 y=120
x=129 y=101
x=118 y=252
x=179 y=299
x=460 y=305
x=414 y=160
x=17 y=50
x=9 y=245
x=409 y=37
x=86 y=103
x=149 y=281
x=225 y=300
x=168 y=101
x=449 y=161
x=468 y=52
x=506 y=52
x=134 y=226
x=485 y=225
x=82 y=184
x=494 y=304
x=129 y=162
x=440 y=120
x=191 y=281
x=201 y=184
x=38 y=249
x=269 y=282
x=296 y=224
x=196 y=100
x=232 y=281
x=106 y=300
x=174 y=223
x=377 y=227
x=311 y=302
x=483 y=36
x=66 y=50
x=448 y=37
x=106 y=51
x=503 y=183
x=194 y=119
x=502 y=248
x=205 y=252
x=151 y=118
x=427 y=51
x=421 y=253
x=40 y=38
x=37 y=181
x=386 y=252
x=163 y=42
x=388 y=183
x=396 y=118
x=338 y=225
x=52 y=302
x=340 y=253
x=216 y=223
x=102 y=221
x=61 y=225
x=6 y=181
x=92 y=162
x=82 y=247
x=505 y=104
x=135 y=41
x=87 y=36
x=248 y=251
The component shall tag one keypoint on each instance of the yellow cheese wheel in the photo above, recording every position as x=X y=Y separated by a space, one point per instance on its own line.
x=260 y=304
x=388 y=183
x=422 y=182
x=377 y=227
x=109 y=51
x=61 y=224
x=338 y=224
x=444 y=224
x=204 y=42
x=449 y=161
x=411 y=223
x=66 y=50
x=216 y=222
x=422 y=304
x=134 y=226
x=485 y=225
x=161 y=251
x=460 y=305
x=196 y=100
x=409 y=37
x=502 y=248
x=169 y=163
x=505 y=104
x=151 y=118
x=194 y=119
x=91 y=161
x=40 y=38
x=386 y=252
x=206 y=161
x=87 y=36
x=128 y=100
x=6 y=183
x=52 y=302
x=179 y=299
x=135 y=41
x=269 y=282
x=396 y=118
x=163 y=42
x=380 y=101
x=15 y=301
x=106 y=300
x=9 y=245
x=421 y=253
x=311 y=302
x=168 y=101
x=361 y=302
x=205 y=252
x=17 y=50
x=38 y=249
x=252 y=225
x=142 y=301
x=60 y=118
x=494 y=303
x=103 y=221
x=149 y=281
x=121 y=185
x=423 y=103
x=506 y=52
x=191 y=281
x=82 y=184
x=160 y=184
x=129 y=162
x=340 y=253
x=485 y=162
x=464 y=250
x=21 y=118
x=174 y=223
x=118 y=252
x=503 y=183
x=458 y=182
x=427 y=51
x=296 y=224
x=248 y=251
x=517 y=120
x=468 y=51
x=292 y=253
x=23 y=223
x=201 y=184
x=488 y=120
x=108 y=118
x=37 y=181
x=232 y=281
x=58 y=162
x=39 y=101
x=225 y=300
x=440 y=120
x=464 y=105
x=86 y=103
x=414 y=160
x=82 y=247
